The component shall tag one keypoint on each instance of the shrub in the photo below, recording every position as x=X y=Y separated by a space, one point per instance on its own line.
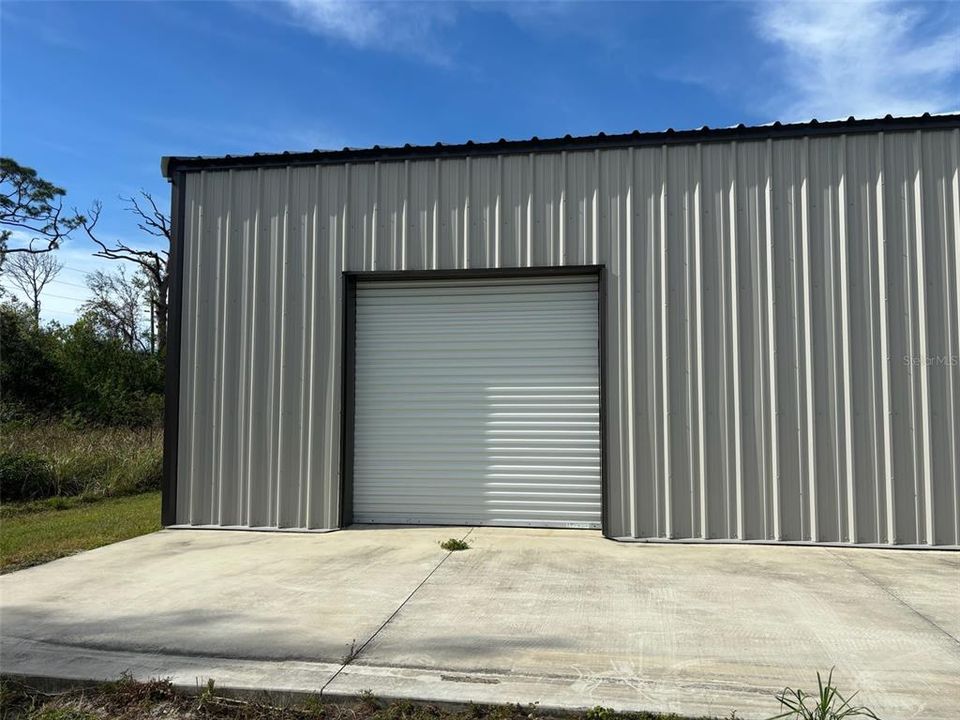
x=28 y=371
x=105 y=382
x=75 y=372
x=25 y=476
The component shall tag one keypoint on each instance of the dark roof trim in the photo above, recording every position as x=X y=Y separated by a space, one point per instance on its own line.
x=171 y=165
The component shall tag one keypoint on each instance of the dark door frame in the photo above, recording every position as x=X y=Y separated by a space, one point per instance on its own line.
x=348 y=358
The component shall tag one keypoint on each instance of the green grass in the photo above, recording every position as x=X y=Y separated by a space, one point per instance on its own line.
x=103 y=483
x=58 y=502
x=37 y=533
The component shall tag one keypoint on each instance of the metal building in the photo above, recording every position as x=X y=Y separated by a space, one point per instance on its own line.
x=749 y=334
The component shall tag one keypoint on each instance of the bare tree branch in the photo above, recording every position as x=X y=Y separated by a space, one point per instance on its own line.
x=31 y=273
x=116 y=307
x=152 y=221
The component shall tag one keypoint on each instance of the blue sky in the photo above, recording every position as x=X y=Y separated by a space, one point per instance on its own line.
x=92 y=94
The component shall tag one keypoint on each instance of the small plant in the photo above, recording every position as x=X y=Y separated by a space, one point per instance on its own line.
x=15 y=701
x=62 y=713
x=207 y=695
x=351 y=653
x=369 y=700
x=454 y=544
x=313 y=707
x=599 y=712
x=827 y=704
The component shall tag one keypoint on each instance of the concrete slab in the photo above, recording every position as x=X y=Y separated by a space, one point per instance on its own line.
x=564 y=618
x=933 y=593
x=226 y=594
x=654 y=617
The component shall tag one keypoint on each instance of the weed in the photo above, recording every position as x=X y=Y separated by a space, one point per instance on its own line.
x=207 y=696
x=454 y=544
x=369 y=700
x=827 y=704
x=599 y=713
x=511 y=712
x=400 y=710
x=120 y=685
x=351 y=653
x=128 y=692
x=62 y=713
x=128 y=699
x=14 y=701
x=314 y=707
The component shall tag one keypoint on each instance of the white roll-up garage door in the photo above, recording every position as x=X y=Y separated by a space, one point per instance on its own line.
x=477 y=402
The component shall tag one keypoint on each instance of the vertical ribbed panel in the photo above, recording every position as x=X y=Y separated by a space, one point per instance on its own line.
x=783 y=325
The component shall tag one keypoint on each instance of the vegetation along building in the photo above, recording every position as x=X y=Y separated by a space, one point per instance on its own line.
x=747 y=333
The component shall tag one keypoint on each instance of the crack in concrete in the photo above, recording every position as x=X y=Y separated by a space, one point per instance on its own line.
x=892 y=594
x=356 y=653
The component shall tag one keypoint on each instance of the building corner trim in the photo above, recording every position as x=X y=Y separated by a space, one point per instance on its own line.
x=171 y=405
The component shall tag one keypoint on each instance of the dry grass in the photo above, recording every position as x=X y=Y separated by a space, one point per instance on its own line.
x=130 y=700
x=88 y=461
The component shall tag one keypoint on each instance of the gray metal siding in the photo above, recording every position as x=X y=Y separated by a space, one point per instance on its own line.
x=783 y=325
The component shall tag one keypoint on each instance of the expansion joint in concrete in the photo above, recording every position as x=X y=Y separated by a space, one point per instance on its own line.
x=355 y=653
x=892 y=594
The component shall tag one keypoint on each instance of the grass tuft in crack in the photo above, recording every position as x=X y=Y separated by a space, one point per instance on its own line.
x=454 y=544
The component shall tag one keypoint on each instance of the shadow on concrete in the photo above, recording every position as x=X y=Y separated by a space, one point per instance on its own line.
x=189 y=632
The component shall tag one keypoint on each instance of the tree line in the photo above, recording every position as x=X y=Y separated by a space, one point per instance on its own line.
x=107 y=366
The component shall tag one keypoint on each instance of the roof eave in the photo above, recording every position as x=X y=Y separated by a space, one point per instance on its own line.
x=777 y=130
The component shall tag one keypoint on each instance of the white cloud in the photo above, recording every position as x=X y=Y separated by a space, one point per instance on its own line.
x=863 y=58
x=420 y=28
x=408 y=27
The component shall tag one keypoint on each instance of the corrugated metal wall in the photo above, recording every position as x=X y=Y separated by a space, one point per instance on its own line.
x=783 y=325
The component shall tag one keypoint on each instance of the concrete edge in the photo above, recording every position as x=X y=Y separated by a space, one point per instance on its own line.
x=282 y=698
x=56 y=667
x=289 y=697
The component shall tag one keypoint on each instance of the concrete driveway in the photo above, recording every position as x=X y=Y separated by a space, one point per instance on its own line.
x=562 y=617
